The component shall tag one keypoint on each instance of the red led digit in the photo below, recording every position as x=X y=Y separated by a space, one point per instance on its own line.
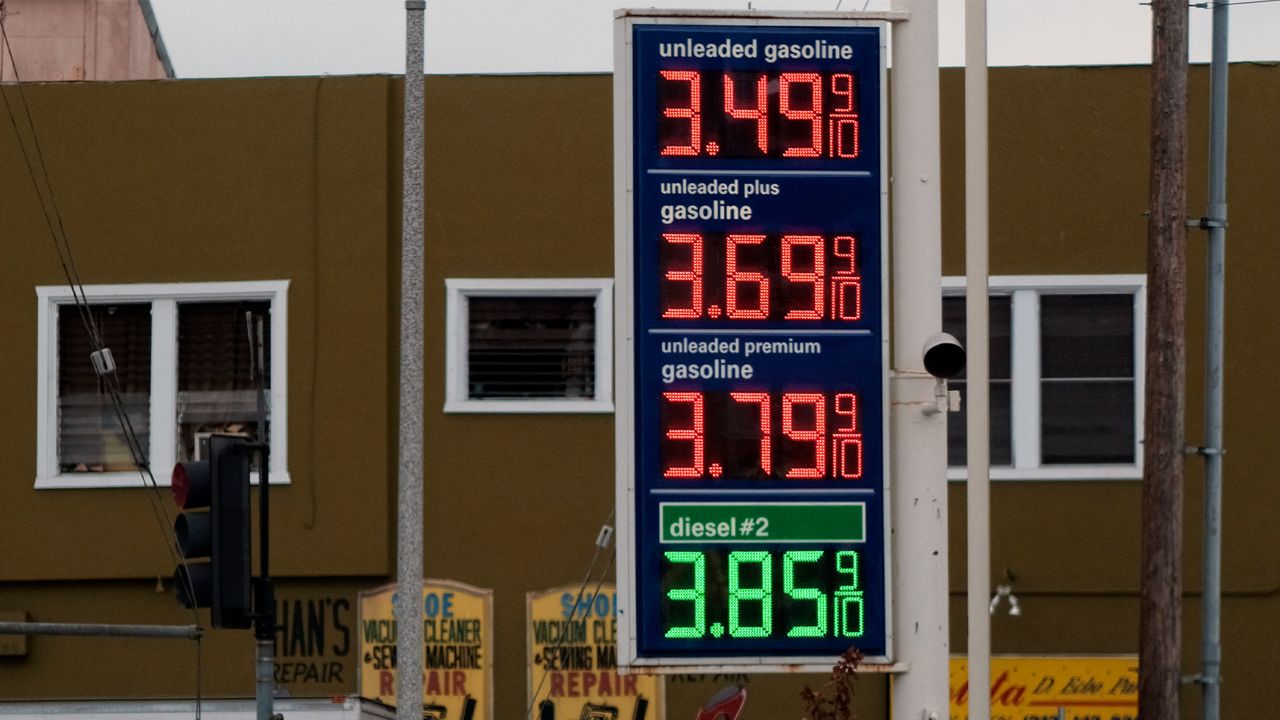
x=766 y=426
x=843 y=135
x=759 y=113
x=816 y=435
x=693 y=276
x=695 y=434
x=844 y=132
x=813 y=115
x=842 y=86
x=693 y=112
x=734 y=277
x=846 y=283
x=846 y=441
x=816 y=277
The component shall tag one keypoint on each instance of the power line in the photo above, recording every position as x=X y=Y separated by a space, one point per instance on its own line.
x=101 y=358
x=603 y=540
x=104 y=365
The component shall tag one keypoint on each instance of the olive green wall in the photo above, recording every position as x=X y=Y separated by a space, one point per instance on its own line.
x=204 y=181
x=299 y=179
x=1069 y=149
x=315 y=651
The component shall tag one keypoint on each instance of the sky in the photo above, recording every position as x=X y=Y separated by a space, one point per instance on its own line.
x=249 y=38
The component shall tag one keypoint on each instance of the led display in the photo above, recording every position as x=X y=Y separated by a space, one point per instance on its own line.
x=747 y=434
x=753 y=271
x=757 y=114
x=793 y=277
x=751 y=593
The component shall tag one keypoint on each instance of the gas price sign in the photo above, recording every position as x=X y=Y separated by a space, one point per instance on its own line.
x=751 y=271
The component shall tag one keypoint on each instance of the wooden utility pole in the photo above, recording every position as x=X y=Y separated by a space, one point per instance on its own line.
x=1160 y=620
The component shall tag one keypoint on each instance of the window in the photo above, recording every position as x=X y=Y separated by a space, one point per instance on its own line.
x=529 y=346
x=183 y=366
x=1066 y=376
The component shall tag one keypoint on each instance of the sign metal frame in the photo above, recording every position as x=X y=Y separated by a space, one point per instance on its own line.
x=625 y=224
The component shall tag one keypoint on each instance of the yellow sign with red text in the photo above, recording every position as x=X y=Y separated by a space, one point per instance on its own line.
x=573 y=660
x=1103 y=687
x=457 y=622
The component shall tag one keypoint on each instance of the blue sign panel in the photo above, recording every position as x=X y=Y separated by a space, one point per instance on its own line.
x=756 y=268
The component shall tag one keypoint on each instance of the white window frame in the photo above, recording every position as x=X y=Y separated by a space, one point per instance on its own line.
x=459 y=291
x=1025 y=292
x=164 y=299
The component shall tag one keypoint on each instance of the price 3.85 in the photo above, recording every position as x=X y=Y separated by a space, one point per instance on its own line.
x=791 y=593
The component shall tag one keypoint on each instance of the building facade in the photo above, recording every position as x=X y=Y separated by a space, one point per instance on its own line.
x=187 y=204
x=53 y=40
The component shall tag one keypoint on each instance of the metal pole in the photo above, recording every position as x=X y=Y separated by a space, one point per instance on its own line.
x=263 y=690
x=1216 y=219
x=409 y=520
x=265 y=602
x=181 y=632
x=920 y=590
x=978 y=365
x=264 y=605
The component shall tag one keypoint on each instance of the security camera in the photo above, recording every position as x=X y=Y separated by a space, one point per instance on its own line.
x=943 y=356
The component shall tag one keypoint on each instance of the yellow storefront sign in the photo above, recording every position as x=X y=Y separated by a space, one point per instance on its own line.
x=573 y=660
x=1101 y=687
x=457 y=621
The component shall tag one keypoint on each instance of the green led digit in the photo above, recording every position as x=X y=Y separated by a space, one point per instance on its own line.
x=696 y=594
x=819 y=598
x=847 y=603
x=762 y=594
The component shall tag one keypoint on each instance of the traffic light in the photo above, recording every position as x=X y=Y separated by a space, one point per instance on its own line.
x=213 y=532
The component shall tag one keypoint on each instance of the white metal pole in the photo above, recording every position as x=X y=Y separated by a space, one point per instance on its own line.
x=978 y=380
x=920 y=597
x=409 y=520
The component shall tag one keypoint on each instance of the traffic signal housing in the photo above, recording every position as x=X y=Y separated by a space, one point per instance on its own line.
x=213 y=532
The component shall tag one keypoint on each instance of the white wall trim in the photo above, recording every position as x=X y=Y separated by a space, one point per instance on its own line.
x=164 y=298
x=1057 y=472
x=457 y=293
x=1073 y=284
x=1025 y=389
x=1139 y=371
x=1025 y=292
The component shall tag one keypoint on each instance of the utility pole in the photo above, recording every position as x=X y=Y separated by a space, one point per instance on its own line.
x=1160 y=618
